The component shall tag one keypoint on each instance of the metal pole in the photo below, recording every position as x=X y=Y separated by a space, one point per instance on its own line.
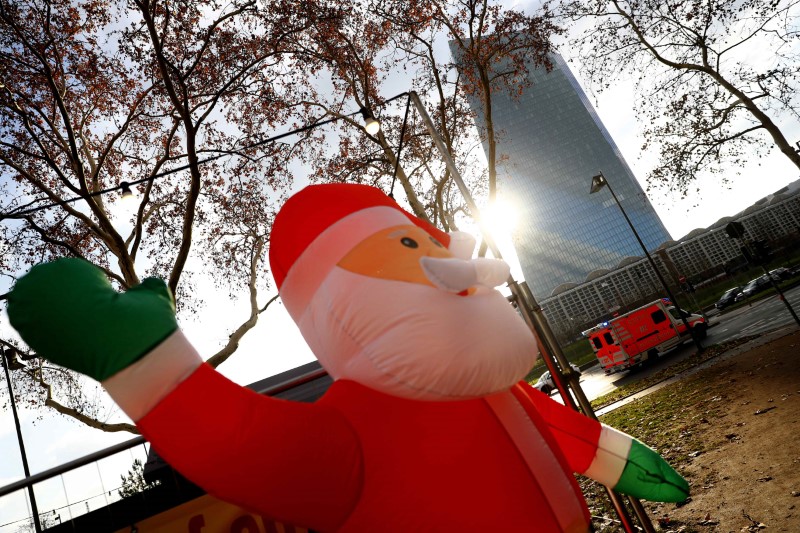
x=736 y=230
x=539 y=325
x=781 y=296
x=36 y=525
x=552 y=355
x=653 y=264
x=551 y=351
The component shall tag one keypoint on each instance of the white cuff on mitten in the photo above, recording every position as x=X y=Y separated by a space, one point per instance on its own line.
x=139 y=387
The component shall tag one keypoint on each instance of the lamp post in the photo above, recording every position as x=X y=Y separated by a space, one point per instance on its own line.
x=6 y=356
x=598 y=182
x=371 y=125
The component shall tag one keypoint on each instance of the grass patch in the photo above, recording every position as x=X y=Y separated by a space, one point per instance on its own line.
x=666 y=373
x=671 y=421
x=674 y=422
x=578 y=350
x=662 y=421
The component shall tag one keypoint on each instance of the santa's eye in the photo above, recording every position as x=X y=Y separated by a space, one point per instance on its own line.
x=411 y=243
x=437 y=243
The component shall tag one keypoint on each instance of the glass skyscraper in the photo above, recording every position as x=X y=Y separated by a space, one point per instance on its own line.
x=554 y=143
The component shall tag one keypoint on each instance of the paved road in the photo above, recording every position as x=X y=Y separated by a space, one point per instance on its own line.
x=763 y=315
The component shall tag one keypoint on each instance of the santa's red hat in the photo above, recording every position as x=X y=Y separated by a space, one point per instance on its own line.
x=319 y=225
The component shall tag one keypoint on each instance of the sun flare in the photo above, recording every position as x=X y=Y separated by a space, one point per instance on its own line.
x=500 y=217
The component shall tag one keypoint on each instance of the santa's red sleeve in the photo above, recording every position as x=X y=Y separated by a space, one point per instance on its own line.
x=297 y=463
x=590 y=447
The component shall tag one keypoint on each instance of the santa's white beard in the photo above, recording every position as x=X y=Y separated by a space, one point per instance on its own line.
x=416 y=341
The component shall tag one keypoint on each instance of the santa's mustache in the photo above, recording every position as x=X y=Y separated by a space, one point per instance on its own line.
x=456 y=275
x=417 y=341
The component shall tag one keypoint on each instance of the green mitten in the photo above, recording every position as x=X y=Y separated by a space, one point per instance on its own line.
x=648 y=476
x=68 y=312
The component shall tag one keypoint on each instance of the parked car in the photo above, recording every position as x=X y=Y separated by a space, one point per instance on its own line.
x=545 y=382
x=755 y=286
x=780 y=273
x=728 y=297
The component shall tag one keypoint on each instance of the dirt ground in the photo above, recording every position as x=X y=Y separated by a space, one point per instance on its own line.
x=738 y=443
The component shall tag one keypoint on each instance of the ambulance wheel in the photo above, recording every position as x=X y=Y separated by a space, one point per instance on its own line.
x=652 y=357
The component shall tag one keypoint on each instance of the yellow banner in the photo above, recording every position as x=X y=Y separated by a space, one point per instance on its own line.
x=209 y=515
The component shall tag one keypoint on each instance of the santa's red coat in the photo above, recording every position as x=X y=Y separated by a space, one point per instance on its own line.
x=358 y=457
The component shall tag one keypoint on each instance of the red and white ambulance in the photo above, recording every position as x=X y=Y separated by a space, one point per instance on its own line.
x=630 y=339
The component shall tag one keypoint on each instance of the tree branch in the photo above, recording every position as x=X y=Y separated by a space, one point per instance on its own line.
x=234 y=338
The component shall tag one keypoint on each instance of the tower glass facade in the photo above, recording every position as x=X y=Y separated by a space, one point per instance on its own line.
x=554 y=142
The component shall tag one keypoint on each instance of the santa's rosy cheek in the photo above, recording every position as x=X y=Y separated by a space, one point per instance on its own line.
x=393 y=254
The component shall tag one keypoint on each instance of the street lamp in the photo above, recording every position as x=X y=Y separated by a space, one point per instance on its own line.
x=9 y=361
x=598 y=182
x=371 y=125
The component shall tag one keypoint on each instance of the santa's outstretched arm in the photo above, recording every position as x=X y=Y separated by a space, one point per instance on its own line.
x=296 y=463
x=606 y=455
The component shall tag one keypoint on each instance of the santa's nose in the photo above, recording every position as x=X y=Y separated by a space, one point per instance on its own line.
x=457 y=275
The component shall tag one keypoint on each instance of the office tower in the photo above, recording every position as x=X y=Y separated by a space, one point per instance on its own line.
x=554 y=143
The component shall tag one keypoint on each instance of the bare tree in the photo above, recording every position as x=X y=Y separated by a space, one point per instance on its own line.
x=178 y=99
x=713 y=79
x=362 y=46
x=90 y=97
x=46 y=520
x=495 y=49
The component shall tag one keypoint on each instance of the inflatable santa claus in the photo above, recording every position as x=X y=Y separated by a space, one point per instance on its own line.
x=426 y=427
